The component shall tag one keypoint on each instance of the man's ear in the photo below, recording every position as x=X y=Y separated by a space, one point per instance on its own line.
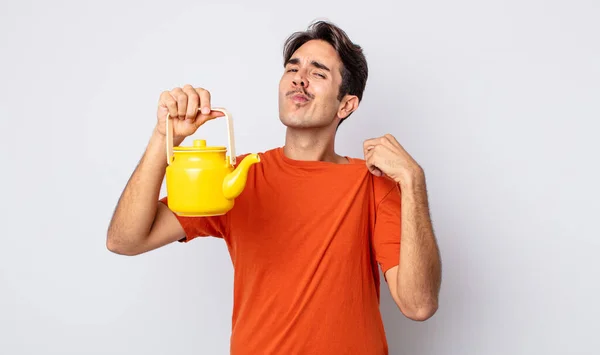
x=348 y=105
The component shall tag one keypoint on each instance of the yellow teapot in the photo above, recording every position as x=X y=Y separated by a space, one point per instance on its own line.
x=201 y=180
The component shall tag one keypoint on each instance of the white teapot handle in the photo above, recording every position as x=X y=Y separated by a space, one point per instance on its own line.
x=169 y=136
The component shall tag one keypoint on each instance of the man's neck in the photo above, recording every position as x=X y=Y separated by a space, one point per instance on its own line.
x=312 y=144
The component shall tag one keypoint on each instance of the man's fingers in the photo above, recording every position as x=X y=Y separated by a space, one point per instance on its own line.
x=395 y=142
x=193 y=100
x=369 y=143
x=188 y=104
x=205 y=104
x=181 y=99
x=373 y=142
x=370 y=157
x=167 y=101
x=215 y=114
x=202 y=118
x=386 y=140
x=392 y=140
x=374 y=169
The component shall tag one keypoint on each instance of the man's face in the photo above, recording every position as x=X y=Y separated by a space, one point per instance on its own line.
x=309 y=87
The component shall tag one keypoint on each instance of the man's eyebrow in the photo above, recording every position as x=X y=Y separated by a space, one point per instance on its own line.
x=320 y=65
x=296 y=61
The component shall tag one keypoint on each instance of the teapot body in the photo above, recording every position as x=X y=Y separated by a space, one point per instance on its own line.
x=203 y=180
x=194 y=182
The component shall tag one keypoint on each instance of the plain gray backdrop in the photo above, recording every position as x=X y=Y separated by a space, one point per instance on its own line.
x=497 y=100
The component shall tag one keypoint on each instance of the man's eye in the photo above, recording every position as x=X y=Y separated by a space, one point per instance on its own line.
x=320 y=75
x=292 y=70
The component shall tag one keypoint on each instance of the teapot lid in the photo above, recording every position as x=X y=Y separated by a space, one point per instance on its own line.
x=199 y=145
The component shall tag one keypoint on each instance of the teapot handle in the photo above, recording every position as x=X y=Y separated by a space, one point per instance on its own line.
x=169 y=136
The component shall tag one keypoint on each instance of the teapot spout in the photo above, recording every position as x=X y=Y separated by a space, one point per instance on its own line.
x=234 y=182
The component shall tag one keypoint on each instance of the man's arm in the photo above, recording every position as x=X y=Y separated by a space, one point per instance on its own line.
x=415 y=282
x=140 y=222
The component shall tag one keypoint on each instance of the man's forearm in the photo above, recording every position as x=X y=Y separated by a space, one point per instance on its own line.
x=419 y=274
x=136 y=208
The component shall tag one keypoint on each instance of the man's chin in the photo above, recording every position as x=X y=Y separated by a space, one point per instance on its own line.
x=299 y=122
x=292 y=121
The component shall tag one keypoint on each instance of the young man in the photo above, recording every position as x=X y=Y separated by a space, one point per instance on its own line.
x=311 y=228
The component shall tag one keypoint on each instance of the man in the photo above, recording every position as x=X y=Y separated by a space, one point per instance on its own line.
x=311 y=228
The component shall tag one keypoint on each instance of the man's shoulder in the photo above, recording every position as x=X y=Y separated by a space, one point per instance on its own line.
x=356 y=160
x=382 y=185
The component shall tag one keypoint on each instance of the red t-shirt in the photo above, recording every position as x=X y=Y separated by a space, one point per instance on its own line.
x=306 y=239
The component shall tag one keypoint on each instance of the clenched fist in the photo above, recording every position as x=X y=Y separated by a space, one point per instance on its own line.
x=188 y=107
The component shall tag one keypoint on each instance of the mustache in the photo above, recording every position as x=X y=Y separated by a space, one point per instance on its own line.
x=305 y=93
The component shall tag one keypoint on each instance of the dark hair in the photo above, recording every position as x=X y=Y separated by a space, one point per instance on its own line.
x=354 y=69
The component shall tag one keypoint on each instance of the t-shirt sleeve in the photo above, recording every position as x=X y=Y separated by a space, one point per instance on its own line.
x=386 y=235
x=213 y=226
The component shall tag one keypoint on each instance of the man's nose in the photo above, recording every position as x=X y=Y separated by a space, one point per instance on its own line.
x=299 y=79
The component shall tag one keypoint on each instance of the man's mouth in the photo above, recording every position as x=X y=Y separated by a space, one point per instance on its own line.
x=299 y=97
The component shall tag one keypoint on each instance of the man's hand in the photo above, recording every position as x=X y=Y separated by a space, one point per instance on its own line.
x=384 y=155
x=189 y=108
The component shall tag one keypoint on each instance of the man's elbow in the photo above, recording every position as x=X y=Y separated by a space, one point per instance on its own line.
x=115 y=245
x=422 y=314
x=419 y=313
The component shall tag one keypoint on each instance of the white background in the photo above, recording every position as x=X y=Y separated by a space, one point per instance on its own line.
x=497 y=100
